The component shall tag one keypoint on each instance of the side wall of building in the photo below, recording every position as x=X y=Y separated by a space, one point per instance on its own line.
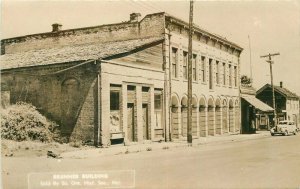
x=67 y=98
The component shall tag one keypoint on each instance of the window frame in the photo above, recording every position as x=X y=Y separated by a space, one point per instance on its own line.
x=217 y=72
x=211 y=73
x=194 y=67
x=230 y=74
x=202 y=67
x=174 y=62
x=185 y=65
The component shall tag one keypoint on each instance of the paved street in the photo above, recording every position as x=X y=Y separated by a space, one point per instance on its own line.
x=269 y=162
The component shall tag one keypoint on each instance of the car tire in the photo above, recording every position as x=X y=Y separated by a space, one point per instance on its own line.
x=295 y=132
x=272 y=134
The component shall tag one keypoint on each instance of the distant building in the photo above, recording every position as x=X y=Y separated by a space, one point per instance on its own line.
x=255 y=113
x=286 y=102
x=126 y=81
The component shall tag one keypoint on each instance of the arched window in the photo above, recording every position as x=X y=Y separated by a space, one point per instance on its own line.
x=70 y=101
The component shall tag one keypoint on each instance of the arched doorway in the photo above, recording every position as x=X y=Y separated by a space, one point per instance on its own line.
x=70 y=102
x=202 y=117
x=211 y=117
x=175 y=117
x=218 y=119
x=231 y=116
x=225 y=117
x=194 y=117
x=184 y=116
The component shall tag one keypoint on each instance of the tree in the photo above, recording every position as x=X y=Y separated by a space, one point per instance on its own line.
x=246 y=81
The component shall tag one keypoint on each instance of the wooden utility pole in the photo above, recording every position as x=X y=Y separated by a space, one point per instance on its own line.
x=271 y=73
x=190 y=77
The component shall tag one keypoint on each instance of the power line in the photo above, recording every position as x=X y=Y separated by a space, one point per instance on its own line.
x=141 y=5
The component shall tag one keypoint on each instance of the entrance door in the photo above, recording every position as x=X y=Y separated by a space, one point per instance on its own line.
x=225 y=119
x=210 y=121
x=130 y=122
x=202 y=121
x=194 y=122
x=218 y=120
x=184 y=121
x=145 y=122
x=231 y=119
x=175 y=123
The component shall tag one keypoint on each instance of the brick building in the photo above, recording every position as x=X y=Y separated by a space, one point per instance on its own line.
x=126 y=81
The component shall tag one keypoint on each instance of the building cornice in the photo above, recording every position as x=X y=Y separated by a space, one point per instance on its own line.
x=203 y=32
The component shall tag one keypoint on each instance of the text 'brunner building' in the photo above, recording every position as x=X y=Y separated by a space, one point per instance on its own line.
x=126 y=81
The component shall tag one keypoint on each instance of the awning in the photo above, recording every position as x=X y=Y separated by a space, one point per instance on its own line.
x=257 y=103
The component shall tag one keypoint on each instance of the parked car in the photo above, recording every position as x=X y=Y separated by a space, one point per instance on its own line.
x=284 y=128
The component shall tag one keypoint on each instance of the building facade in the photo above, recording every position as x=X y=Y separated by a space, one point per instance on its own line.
x=254 y=113
x=126 y=81
x=286 y=102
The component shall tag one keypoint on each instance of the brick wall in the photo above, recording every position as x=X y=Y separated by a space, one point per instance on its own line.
x=74 y=114
x=97 y=34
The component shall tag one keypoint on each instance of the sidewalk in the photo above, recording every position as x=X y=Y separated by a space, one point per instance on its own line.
x=153 y=146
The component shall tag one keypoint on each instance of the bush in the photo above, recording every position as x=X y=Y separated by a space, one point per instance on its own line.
x=22 y=122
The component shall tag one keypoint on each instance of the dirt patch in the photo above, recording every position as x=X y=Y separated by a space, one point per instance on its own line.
x=10 y=148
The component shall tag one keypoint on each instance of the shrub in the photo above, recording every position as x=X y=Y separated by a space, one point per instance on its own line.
x=22 y=121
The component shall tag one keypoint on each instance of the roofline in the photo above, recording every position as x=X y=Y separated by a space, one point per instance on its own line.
x=179 y=21
x=109 y=57
x=201 y=30
x=138 y=48
x=269 y=85
x=67 y=30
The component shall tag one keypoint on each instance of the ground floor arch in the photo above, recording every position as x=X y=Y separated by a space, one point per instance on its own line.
x=175 y=119
x=202 y=117
x=184 y=116
x=211 y=117
x=231 y=116
x=218 y=117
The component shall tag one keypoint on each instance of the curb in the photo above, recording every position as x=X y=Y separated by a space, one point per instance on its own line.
x=119 y=150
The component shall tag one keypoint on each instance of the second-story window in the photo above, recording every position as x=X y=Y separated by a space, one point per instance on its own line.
x=203 y=68
x=235 y=76
x=210 y=74
x=174 y=62
x=230 y=75
x=217 y=73
x=185 y=63
x=194 y=63
x=224 y=74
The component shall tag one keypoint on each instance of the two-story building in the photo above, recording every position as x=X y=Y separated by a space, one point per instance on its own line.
x=126 y=81
x=286 y=102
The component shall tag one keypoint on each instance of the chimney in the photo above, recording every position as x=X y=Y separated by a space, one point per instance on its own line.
x=134 y=17
x=281 y=84
x=56 y=27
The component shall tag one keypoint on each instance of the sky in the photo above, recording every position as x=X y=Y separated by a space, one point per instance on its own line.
x=265 y=26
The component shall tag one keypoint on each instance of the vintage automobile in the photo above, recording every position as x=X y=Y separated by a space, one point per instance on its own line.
x=284 y=128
